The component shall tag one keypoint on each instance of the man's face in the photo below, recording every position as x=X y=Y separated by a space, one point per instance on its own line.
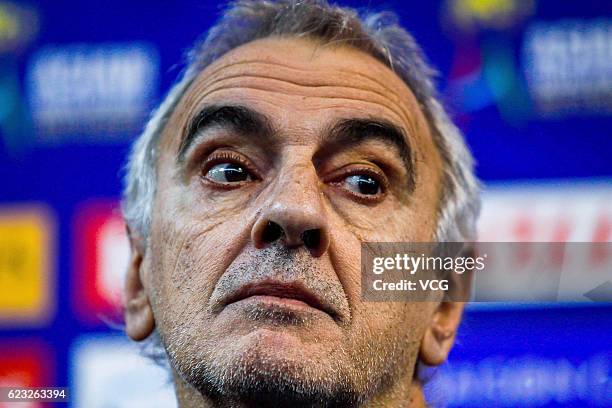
x=280 y=160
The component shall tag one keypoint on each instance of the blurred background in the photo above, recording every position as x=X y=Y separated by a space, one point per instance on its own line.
x=528 y=81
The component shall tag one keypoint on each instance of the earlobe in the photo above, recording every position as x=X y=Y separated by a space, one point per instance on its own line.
x=139 y=321
x=440 y=335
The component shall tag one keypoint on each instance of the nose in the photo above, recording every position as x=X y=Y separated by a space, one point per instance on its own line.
x=296 y=217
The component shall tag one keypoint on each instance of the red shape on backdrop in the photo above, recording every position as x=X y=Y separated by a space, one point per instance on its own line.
x=30 y=363
x=100 y=251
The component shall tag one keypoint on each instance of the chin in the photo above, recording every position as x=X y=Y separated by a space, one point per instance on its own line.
x=263 y=354
x=272 y=368
x=282 y=350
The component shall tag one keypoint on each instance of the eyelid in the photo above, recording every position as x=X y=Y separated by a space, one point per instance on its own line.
x=336 y=177
x=225 y=156
x=194 y=146
x=355 y=169
x=205 y=141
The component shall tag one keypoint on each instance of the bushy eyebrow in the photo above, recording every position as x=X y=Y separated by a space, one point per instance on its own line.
x=351 y=132
x=240 y=119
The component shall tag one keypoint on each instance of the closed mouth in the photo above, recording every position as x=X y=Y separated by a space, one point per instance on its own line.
x=290 y=294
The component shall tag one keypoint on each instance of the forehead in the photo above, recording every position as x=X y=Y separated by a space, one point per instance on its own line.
x=303 y=84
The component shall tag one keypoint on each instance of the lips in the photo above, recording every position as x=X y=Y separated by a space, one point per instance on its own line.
x=280 y=290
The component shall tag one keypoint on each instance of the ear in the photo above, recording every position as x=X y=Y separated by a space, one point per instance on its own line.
x=440 y=335
x=139 y=321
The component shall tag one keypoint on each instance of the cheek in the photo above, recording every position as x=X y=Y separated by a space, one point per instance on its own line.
x=390 y=221
x=404 y=324
x=408 y=319
x=351 y=224
x=390 y=323
x=184 y=238
x=345 y=254
x=390 y=334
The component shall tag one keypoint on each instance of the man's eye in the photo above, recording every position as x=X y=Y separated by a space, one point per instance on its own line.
x=362 y=184
x=228 y=173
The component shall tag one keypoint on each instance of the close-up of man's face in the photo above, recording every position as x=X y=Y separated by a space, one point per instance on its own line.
x=306 y=203
x=280 y=160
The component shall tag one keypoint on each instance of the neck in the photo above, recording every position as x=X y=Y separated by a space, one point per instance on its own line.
x=404 y=397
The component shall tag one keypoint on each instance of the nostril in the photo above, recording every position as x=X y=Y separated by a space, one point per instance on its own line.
x=271 y=232
x=311 y=238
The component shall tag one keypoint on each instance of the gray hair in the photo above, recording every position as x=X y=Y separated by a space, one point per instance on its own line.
x=377 y=34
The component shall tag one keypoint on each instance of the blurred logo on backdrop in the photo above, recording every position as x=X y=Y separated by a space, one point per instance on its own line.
x=111 y=363
x=526 y=69
x=526 y=380
x=27 y=259
x=568 y=66
x=29 y=364
x=101 y=253
x=540 y=213
x=18 y=26
x=472 y=15
x=484 y=71
x=92 y=92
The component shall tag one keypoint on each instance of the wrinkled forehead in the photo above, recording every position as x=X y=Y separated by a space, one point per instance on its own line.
x=301 y=84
